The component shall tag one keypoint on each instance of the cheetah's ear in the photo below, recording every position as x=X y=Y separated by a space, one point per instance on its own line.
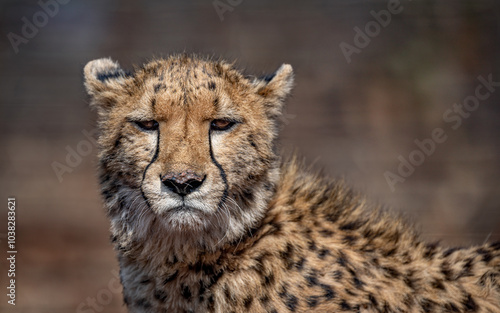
x=275 y=88
x=103 y=78
x=277 y=85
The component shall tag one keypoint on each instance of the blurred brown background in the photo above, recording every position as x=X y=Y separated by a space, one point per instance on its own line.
x=352 y=119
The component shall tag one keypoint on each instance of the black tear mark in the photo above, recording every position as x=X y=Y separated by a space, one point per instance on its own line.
x=221 y=170
x=155 y=156
x=153 y=102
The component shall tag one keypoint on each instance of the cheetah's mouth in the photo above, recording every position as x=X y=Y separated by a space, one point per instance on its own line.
x=182 y=209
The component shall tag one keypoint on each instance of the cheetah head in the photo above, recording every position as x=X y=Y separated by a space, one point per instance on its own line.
x=186 y=145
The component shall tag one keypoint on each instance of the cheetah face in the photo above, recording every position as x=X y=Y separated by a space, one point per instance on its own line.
x=187 y=141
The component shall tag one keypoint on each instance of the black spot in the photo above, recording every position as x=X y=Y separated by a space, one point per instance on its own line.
x=160 y=295
x=312 y=279
x=247 y=196
x=214 y=279
x=211 y=303
x=326 y=233
x=251 y=141
x=486 y=255
x=389 y=253
x=450 y=251
x=291 y=302
x=264 y=299
x=392 y=272
x=357 y=283
x=157 y=87
x=247 y=302
x=212 y=85
x=337 y=275
x=447 y=272
x=437 y=285
x=284 y=291
x=276 y=227
x=352 y=226
x=450 y=307
x=202 y=290
x=216 y=101
x=207 y=269
x=143 y=303
x=332 y=216
x=427 y=305
x=372 y=300
x=170 y=277
x=345 y=306
x=117 y=141
x=312 y=245
x=430 y=250
x=495 y=245
x=300 y=264
x=323 y=252
x=186 y=292
x=342 y=260
x=349 y=239
x=312 y=301
x=269 y=279
x=409 y=282
x=287 y=255
x=470 y=304
x=329 y=294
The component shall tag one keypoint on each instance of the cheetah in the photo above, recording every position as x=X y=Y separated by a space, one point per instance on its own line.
x=206 y=217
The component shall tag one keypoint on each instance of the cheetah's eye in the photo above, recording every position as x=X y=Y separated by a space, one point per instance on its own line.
x=147 y=125
x=221 y=124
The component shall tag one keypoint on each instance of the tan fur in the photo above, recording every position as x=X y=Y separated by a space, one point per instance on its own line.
x=258 y=235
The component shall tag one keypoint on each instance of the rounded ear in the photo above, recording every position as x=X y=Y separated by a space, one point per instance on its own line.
x=103 y=74
x=275 y=88
x=277 y=85
x=104 y=81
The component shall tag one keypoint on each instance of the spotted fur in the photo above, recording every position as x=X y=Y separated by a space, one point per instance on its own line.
x=259 y=234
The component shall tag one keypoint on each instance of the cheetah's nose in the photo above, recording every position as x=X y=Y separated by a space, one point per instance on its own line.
x=183 y=183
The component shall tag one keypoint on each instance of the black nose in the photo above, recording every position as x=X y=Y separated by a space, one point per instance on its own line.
x=183 y=183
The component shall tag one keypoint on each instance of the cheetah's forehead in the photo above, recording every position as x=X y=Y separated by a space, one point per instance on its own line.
x=183 y=83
